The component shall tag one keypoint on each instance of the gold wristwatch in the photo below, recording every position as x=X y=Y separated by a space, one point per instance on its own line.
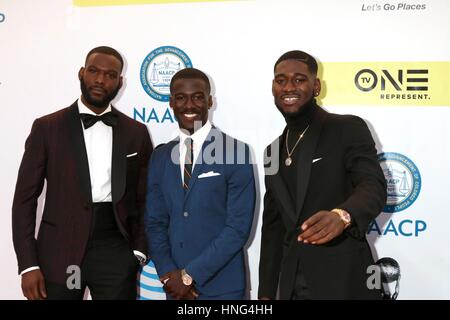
x=187 y=279
x=344 y=216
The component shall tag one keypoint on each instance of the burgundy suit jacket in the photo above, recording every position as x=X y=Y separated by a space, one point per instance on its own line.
x=55 y=151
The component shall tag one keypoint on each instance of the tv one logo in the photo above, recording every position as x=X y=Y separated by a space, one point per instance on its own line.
x=400 y=80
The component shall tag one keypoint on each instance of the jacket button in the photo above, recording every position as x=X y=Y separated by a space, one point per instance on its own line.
x=186 y=214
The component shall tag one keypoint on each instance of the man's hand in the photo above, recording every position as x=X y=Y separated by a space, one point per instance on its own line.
x=165 y=278
x=173 y=285
x=191 y=295
x=33 y=285
x=321 y=228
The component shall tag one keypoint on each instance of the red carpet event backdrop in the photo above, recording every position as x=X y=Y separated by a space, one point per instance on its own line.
x=385 y=61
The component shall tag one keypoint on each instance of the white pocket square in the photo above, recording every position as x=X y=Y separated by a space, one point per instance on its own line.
x=317 y=159
x=208 y=174
x=131 y=155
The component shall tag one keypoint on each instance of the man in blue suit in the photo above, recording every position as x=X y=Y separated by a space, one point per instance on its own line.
x=200 y=200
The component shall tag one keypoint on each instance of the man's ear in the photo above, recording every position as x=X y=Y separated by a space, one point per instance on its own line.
x=80 y=73
x=317 y=86
x=171 y=102
x=210 y=102
x=120 y=82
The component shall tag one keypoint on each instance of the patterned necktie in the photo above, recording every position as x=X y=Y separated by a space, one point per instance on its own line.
x=188 y=163
x=109 y=118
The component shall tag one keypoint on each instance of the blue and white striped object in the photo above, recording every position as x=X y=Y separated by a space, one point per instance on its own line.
x=149 y=286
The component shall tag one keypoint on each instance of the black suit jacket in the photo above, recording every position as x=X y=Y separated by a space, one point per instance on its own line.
x=55 y=152
x=347 y=176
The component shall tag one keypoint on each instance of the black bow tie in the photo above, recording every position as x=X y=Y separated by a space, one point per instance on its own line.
x=109 y=118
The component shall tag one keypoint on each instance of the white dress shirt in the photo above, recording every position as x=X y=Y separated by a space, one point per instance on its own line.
x=198 y=138
x=98 y=142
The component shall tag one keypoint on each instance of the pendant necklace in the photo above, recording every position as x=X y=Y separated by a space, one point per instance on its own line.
x=288 y=160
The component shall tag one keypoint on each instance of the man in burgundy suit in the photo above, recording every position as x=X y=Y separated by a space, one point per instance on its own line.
x=94 y=160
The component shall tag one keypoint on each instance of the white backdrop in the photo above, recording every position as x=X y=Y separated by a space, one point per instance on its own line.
x=44 y=43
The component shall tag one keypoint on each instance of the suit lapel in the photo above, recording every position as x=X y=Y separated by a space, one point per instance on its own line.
x=306 y=155
x=175 y=170
x=278 y=186
x=77 y=143
x=118 y=161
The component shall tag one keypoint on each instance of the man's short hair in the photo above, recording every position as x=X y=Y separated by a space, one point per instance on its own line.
x=106 y=50
x=299 y=56
x=191 y=73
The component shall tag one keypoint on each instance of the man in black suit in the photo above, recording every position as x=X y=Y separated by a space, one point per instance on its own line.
x=318 y=204
x=94 y=160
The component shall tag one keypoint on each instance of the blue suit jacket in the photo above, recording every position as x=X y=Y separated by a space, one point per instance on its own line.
x=204 y=228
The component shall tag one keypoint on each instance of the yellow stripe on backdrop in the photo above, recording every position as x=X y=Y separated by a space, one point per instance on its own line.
x=94 y=3
x=385 y=83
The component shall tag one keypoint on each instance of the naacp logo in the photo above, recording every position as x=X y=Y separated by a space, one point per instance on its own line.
x=158 y=69
x=403 y=181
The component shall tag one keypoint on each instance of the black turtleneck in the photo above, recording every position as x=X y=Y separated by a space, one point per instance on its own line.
x=296 y=124
x=301 y=119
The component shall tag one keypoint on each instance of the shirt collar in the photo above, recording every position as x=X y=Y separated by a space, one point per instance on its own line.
x=83 y=109
x=198 y=136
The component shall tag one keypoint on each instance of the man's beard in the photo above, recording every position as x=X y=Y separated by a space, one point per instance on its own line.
x=103 y=103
